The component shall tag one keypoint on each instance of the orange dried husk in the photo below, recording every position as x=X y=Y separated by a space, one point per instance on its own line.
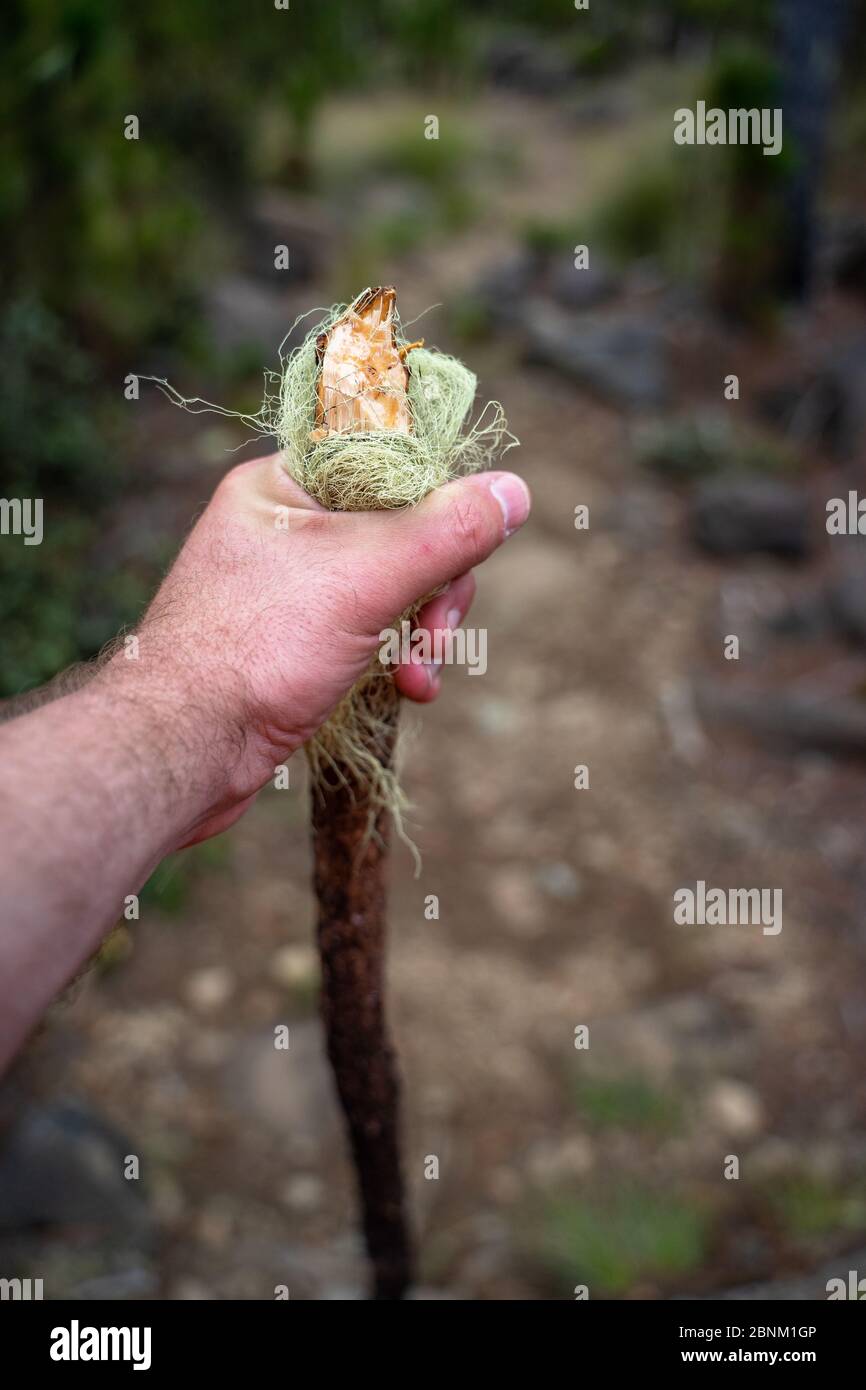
x=384 y=426
x=363 y=378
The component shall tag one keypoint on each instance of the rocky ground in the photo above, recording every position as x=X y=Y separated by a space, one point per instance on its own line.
x=557 y=1165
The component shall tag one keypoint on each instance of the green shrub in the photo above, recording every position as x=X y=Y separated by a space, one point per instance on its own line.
x=807 y=1206
x=612 y=1241
x=641 y=217
x=627 y=1103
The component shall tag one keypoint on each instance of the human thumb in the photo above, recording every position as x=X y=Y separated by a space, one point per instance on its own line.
x=453 y=529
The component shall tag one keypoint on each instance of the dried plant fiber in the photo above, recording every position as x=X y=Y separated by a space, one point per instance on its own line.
x=386 y=443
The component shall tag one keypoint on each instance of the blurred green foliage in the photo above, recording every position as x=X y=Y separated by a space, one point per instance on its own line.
x=628 y=1103
x=647 y=213
x=547 y=235
x=440 y=171
x=405 y=192
x=109 y=242
x=747 y=16
x=613 y=1241
x=328 y=50
x=689 y=448
x=744 y=75
x=431 y=37
x=808 y=1206
x=54 y=441
x=705 y=14
x=170 y=885
x=103 y=228
x=469 y=319
x=438 y=163
x=642 y=216
x=48 y=436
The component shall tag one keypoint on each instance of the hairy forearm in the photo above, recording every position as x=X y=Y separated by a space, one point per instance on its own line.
x=272 y=610
x=95 y=788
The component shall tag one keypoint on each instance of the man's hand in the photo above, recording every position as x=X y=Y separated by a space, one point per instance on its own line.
x=275 y=606
x=271 y=611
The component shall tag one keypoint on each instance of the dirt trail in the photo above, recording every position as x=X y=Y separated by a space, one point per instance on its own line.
x=555 y=909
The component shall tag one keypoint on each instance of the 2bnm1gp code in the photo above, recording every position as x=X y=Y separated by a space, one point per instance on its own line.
x=736 y=1333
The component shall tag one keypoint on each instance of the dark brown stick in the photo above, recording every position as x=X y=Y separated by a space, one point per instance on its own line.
x=349 y=879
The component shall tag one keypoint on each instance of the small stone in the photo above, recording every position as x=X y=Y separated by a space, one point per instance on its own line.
x=736 y=1108
x=742 y=516
x=559 y=880
x=62 y=1165
x=504 y=287
x=290 y=1090
x=167 y=1198
x=437 y=1100
x=209 y=988
x=504 y=1186
x=215 y=1225
x=190 y=1291
x=496 y=716
x=621 y=358
x=773 y=1158
x=845 y=593
x=552 y=1161
x=599 y=851
x=242 y=313
x=303 y=1192
x=294 y=966
x=581 y=289
x=208 y=1047
x=516 y=900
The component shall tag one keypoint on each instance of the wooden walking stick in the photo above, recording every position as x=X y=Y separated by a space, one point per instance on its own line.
x=362 y=385
x=349 y=879
x=366 y=421
x=387 y=430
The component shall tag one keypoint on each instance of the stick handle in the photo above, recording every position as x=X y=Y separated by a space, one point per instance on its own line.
x=349 y=878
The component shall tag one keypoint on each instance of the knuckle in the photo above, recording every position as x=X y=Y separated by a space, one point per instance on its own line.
x=232 y=480
x=467 y=523
x=312 y=525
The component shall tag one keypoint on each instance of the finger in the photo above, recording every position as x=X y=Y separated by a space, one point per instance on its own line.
x=415 y=550
x=448 y=609
x=419 y=680
x=271 y=481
